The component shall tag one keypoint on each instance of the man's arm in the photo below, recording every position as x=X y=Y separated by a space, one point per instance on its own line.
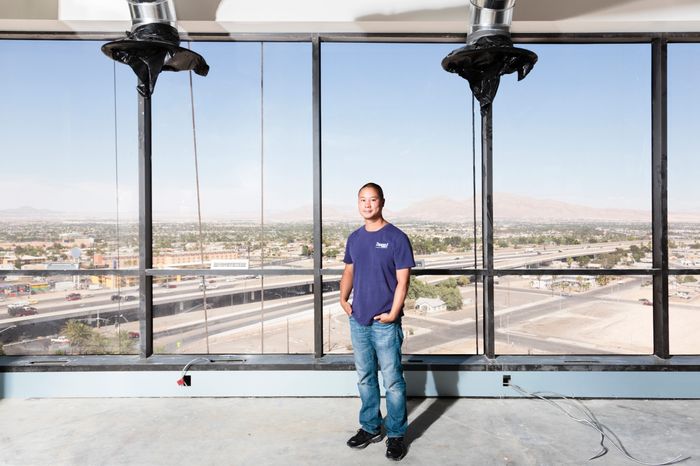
x=346 y=288
x=402 y=278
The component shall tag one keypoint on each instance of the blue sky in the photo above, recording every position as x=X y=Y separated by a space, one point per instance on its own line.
x=577 y=129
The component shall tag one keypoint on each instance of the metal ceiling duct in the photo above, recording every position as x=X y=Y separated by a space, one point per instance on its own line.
x=488 y=55
x=153 y=44
x=489 y=52
x=151 y=11
x=489 y=17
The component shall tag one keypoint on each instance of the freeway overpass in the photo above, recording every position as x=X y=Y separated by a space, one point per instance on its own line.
x=54 y=312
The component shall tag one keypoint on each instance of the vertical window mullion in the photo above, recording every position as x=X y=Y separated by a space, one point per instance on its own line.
x=659 y=193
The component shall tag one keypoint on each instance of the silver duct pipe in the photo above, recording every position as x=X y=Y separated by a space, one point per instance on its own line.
x=489 y=18
x=152 y=11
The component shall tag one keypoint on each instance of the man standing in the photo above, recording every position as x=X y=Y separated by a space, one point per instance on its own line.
x=378 y=261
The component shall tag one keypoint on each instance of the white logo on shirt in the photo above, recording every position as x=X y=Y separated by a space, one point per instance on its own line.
x=381 y=245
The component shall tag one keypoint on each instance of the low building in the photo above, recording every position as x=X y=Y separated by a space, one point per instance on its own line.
x=430 y=305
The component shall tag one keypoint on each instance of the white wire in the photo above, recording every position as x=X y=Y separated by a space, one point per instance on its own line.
x=195 y=360
x=591 y=421
x=199 y=208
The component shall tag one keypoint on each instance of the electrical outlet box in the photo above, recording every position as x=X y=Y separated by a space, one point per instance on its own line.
x=506 y=380
x=188 y=380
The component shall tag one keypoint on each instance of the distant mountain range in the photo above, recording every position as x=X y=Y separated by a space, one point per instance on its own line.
x=518 y=208
x=29 y=213
x=510 y=207
x=439 y=209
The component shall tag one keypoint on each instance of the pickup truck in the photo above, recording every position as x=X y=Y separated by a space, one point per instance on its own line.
x=21 y=310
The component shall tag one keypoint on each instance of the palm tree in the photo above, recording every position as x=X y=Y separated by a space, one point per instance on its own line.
x=78 y=333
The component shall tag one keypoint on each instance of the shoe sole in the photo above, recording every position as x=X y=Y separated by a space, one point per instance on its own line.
x=376 y=439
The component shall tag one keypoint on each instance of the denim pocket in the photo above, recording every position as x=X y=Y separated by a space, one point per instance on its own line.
x=378 y=322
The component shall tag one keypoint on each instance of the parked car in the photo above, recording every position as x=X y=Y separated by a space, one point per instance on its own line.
x=73 y=297
x=62 y=339
x=116 y=297
x=209 y=286
x=130 y=298
x=645 y=301
x=133 y=335
x=168 y=285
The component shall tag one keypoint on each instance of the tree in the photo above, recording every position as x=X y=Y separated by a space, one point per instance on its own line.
x=451 y=296
x=462 y=281
x=78 y=333
x=98 y=344
x=583 y=260
x=446 y=290
x=330 y=252
x=124 y=344
x=419 y=289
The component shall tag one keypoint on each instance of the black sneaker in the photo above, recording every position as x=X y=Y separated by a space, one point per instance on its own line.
x=363 y=438
x=395 y=448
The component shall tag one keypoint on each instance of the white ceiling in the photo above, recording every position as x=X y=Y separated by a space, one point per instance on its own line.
x=436 y=16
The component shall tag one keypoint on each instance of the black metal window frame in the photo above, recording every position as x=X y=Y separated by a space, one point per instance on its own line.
x=661 y=359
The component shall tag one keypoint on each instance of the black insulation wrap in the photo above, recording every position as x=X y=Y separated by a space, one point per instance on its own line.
x=152 y=48
x=485 y=61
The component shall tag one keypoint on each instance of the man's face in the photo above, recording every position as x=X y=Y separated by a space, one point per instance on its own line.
x=369 y=204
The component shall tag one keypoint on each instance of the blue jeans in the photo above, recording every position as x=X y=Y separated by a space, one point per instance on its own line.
x=378 y=346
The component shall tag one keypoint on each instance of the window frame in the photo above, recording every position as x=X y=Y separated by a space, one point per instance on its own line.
x=661 y=359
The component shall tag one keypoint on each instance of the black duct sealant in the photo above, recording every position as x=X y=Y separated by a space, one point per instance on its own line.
x=485 y=61
x=152 y=48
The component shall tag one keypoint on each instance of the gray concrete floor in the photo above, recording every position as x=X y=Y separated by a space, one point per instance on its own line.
x=313 y=431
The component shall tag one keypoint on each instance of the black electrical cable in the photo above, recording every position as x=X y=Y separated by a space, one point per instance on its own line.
x=592 y=421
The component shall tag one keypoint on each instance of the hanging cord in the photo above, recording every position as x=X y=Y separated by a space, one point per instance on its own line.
x=199 y=211
x=589 y=419
x=116 y=186
x=476 y=281
x=262 y=197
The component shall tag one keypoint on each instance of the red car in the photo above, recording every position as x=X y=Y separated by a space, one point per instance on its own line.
x=133 y=335
x=73 y=297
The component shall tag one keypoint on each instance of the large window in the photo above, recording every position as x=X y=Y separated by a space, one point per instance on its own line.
x=68 y=199
x=572 y=190
x=392 y=116
x=683 y=204
x=233 y=200
x=245 y=202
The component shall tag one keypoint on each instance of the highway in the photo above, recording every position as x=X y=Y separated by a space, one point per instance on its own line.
x=445 y=333
x=53 y=306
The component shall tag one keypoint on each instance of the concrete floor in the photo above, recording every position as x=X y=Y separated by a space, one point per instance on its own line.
x=313 y=431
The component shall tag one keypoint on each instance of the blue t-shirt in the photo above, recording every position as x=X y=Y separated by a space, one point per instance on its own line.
x=376 y=256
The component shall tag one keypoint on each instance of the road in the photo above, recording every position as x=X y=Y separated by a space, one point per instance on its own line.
x=229 y=318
